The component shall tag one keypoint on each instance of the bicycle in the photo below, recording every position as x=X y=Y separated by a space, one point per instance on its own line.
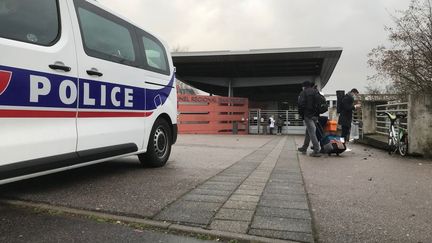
x=397 y=140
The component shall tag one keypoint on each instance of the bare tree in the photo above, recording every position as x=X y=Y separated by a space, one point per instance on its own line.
x=179 y=48
x=408 y=61
x=377 y=89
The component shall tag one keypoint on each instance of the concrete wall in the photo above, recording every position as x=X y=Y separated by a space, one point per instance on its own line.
x=420 y=124
x=369 y=117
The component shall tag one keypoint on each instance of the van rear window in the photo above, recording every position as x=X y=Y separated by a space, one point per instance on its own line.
x=105 y=36
x=155 y=54
x=30 y=21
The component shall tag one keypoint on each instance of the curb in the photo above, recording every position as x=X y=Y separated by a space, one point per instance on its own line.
x=146 y=222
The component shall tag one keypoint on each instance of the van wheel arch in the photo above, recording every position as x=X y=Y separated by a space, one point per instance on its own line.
x=159 y=144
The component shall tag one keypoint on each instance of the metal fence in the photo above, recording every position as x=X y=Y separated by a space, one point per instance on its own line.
x=382 y=120
x=258 y=121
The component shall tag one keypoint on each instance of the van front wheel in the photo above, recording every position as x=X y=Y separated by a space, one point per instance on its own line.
x=159 y=146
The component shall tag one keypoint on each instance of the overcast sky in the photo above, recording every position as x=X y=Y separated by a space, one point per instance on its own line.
x=203 y=25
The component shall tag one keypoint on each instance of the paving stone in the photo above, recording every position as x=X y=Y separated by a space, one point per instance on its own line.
x=235 y=214
x=245 y=198
x=286 y=190
x=245 y=167
x=251 y=188
x=275 y=186
x=259 y=176
x=199 y=213
x=248 y=192
x=292 y=184
x=223 y=183
x=290 y=174
x=294 y=170
x=217 y=187
x=287 y=177
x=284 y=204
x=210 y=192
x=240 y=205
x=205 y=198
x=283 y=213
x=285 y=235
x=285 y=197
x=230 y=226
x=282 y=224
x=284 y=181
x=235 y=172
x=235 y=179
x=254 y=182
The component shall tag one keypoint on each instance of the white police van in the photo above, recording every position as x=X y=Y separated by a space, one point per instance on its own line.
x=80 y=85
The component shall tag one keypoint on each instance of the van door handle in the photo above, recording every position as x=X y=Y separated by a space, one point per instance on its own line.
x=94 y=72
x=60 y=66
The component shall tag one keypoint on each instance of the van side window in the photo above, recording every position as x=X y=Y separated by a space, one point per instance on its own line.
x=155 y=55
x=105 y=38
x=35 y=22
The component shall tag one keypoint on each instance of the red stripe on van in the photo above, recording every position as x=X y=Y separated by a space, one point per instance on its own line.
x=95 y=114
x=36 y=114
x=68 y=114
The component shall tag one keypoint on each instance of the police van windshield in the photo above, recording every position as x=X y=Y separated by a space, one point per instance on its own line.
x=30 y=21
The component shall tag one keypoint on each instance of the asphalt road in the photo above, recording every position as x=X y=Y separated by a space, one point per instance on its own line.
x=26 y=225
x=125 y=188
x=369 y=196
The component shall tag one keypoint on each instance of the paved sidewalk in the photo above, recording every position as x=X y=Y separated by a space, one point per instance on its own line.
x=262 y=194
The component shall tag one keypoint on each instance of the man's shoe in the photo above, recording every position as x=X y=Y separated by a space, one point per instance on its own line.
x=315 y=154
x=302 y=150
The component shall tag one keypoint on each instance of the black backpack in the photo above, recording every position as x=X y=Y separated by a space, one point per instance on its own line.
x=321 y=103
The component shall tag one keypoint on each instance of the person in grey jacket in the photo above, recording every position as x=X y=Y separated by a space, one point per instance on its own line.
x=307 y=110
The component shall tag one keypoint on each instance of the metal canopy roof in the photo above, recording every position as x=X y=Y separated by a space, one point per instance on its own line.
x=211 y=71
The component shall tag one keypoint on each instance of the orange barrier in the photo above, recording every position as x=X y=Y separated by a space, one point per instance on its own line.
x=331 y=126
x=212 y=114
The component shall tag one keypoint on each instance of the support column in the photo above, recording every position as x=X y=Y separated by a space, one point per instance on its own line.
x=230 y=89
x=420 y=125
x=369 y=117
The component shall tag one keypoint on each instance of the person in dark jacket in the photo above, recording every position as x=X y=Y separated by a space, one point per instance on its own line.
x=309 y=113
x=346 y=114
x=279 y=124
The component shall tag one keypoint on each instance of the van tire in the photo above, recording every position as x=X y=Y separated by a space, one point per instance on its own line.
x=159 y=145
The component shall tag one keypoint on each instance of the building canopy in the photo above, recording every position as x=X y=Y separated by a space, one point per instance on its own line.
x=260 y=75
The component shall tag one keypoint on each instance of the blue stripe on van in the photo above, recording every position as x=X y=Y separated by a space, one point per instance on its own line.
x=18 y=92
